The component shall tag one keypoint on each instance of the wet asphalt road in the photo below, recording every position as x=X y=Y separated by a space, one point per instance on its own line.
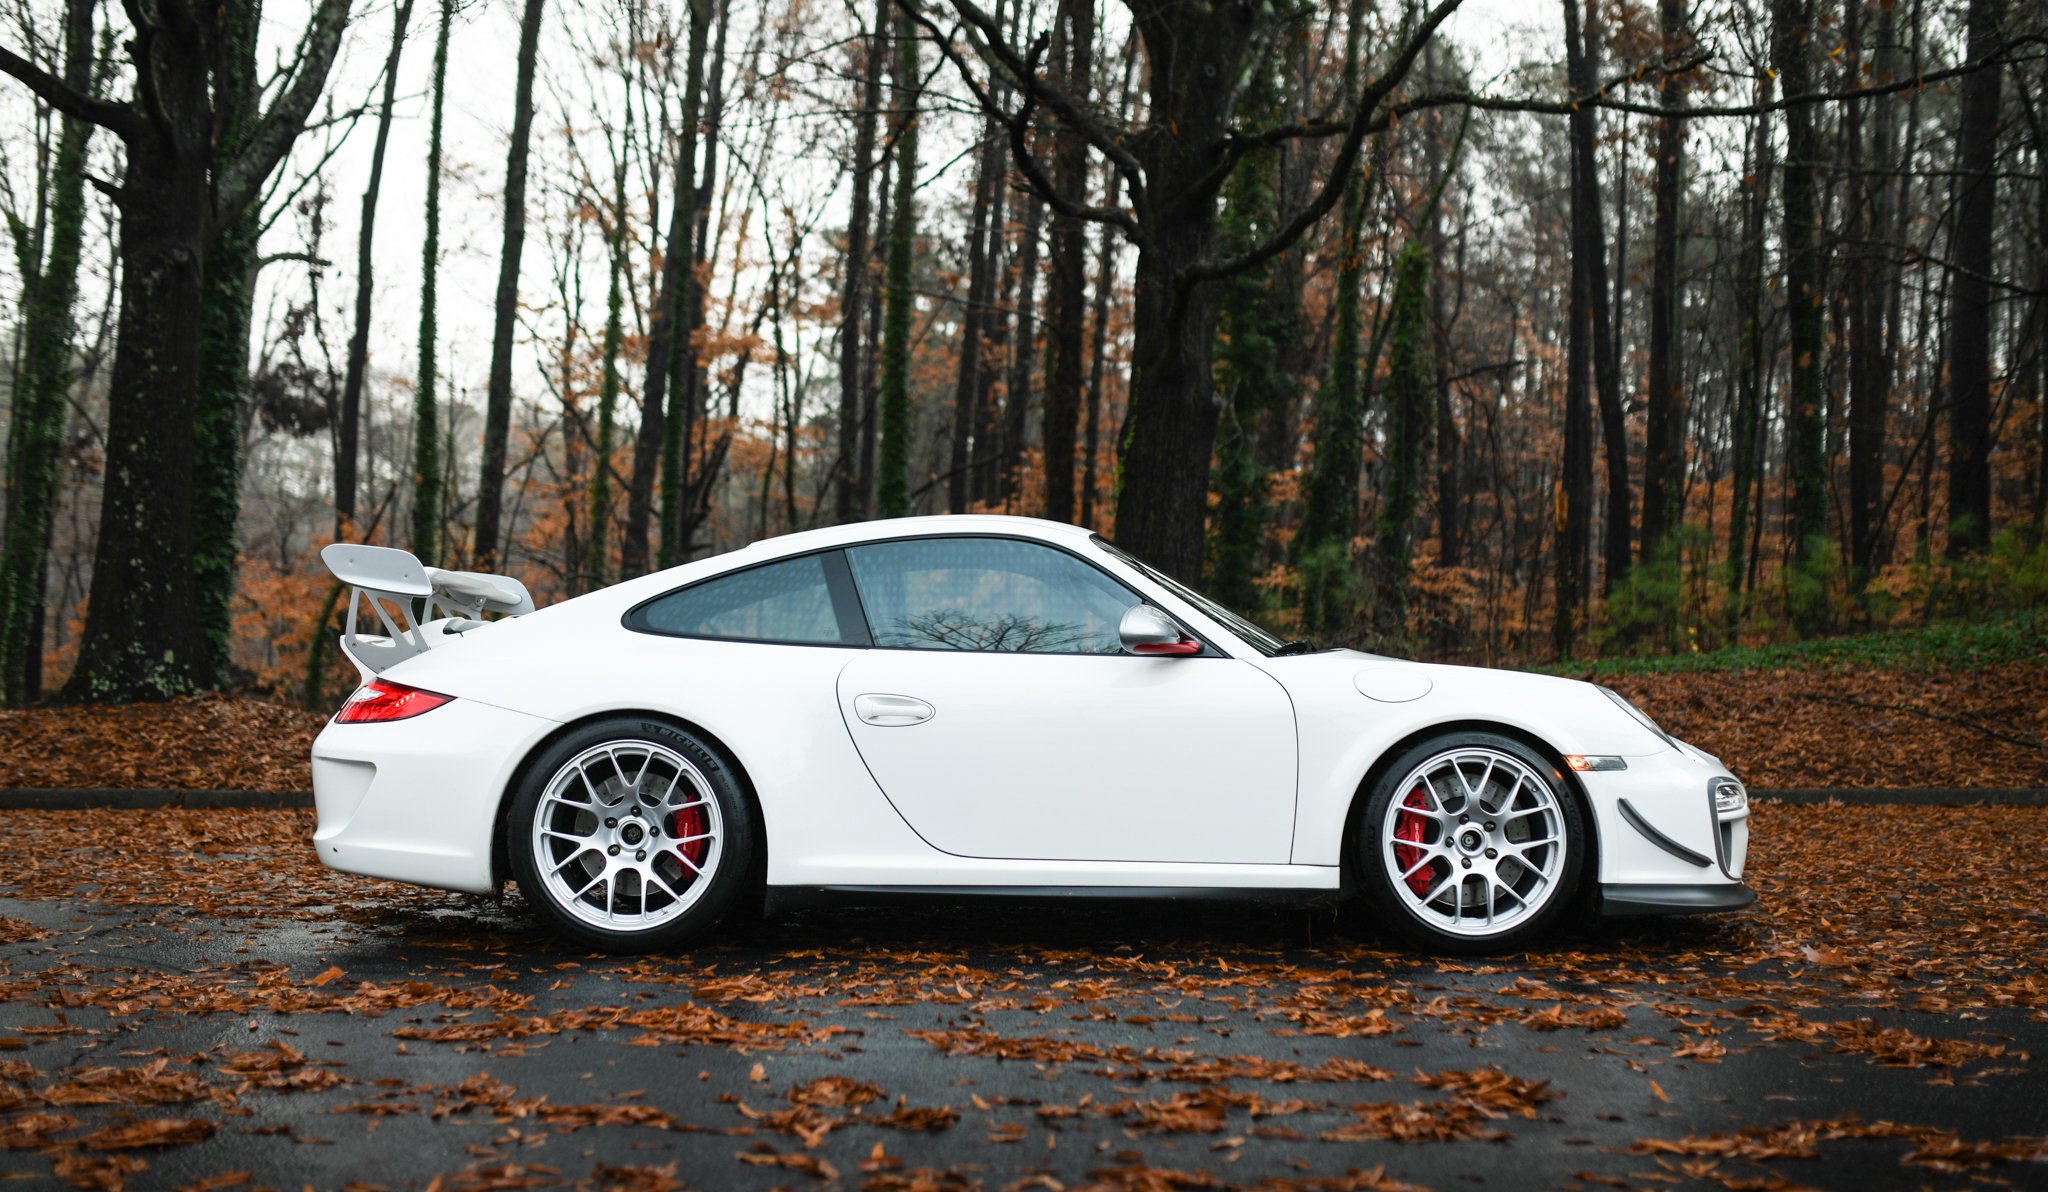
x=1132 y=1046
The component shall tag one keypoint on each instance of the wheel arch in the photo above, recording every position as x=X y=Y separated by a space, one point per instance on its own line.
x=501 y=867
x=1362 y=793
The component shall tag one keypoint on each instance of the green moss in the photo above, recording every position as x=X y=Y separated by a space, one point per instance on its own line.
x=1945 y=645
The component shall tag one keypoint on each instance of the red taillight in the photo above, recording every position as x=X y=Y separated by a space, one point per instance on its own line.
x=380 y=700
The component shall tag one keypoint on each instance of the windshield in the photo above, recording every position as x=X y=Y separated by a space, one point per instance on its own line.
x=1257 y=638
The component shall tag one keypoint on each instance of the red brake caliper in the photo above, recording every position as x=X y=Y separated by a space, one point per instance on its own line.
x=1411 y=826
x=691 y=821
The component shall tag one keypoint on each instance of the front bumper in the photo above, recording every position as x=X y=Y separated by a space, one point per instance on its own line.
x=417 y=800
x=1668 y=844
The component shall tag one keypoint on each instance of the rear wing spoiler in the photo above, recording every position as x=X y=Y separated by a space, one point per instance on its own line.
x=431 y=603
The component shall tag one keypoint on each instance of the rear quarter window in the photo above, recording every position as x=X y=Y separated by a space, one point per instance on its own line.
x=789 y=601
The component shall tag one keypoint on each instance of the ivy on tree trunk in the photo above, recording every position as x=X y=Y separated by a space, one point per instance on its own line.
x=892 y=497
x=1410 y=403
x=224 y=353
x=426 y=422
x=36 y=438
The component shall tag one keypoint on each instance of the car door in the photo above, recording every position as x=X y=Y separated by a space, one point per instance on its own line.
x=1000 y=715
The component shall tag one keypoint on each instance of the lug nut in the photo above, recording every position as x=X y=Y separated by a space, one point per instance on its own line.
x=611 y=823
x=654 y=829
x=613 y=850
x=1464 y=819
x=1491 y=854
x=1489 y=825
x=641 y=855
x=1467 y=862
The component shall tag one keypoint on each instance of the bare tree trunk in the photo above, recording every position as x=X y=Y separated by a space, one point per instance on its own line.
x=1866 y=286
x=974 y=316
x=650 y=444
x=41 y=384
x=846 y=477
x=359 y=338
x=596 y=562
x=871 y=385
x=1067 y=291
x=1895 y=62
x=1017 y=395
x=1969 y=353
x=679 y=363
x=1804 y=267
x=1449 y=520
x=1746 y=420
x=426 y=424
x=1091 y=420
x=691 y=485
x=1664 y=446
x=1574 y=514
x=1590 y=240
x=1575 y=482
x=988 y=471
x=490 y=497
x=892 y=487
x=2038 y=337
x=1329 y=490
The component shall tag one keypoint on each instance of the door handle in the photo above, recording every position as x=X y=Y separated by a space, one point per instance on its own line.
x=891 y=711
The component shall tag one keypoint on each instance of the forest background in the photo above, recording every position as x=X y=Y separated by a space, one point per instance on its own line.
x=1486 y=332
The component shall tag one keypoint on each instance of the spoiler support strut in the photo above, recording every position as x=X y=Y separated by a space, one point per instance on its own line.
x=431 y=602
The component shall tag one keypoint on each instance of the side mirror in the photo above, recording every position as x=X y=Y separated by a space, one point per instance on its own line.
x=1146 y=630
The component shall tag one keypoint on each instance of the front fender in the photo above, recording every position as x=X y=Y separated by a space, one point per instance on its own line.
x=1343 y=733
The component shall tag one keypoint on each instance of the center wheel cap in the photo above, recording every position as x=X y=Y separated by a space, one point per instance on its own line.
x=632 y=834
x=1470 y=840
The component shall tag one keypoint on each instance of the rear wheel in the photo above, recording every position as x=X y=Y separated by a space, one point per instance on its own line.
x=630 y=835
x=1470 y=843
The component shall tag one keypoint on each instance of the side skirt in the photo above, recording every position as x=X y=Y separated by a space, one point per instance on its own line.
x=776 y=899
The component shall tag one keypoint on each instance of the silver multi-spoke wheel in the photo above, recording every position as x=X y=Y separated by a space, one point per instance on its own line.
x=627 y=836
x=1474 y=841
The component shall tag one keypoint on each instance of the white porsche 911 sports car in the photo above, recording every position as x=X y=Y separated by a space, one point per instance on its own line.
x=978 y=705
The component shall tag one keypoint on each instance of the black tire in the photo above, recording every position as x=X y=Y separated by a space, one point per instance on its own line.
x=732 y=865
x=1389 y=905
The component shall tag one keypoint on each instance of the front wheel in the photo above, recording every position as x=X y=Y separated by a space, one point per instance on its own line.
x=630 y=835
x=1470 y=843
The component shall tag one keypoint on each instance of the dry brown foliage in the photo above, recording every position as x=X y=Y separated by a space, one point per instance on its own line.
x=201 y=742
x=1983 y=727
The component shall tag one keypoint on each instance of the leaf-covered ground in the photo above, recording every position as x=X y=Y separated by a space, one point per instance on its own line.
x=1981 y=727
x=1906 y=726
x=209 y=742
x=188 y=1000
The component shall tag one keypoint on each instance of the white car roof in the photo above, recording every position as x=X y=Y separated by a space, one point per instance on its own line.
x=914 y=527
x=824 y=538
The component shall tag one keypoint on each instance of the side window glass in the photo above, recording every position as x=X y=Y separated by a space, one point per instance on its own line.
x=987 y=594
x=781 y=602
